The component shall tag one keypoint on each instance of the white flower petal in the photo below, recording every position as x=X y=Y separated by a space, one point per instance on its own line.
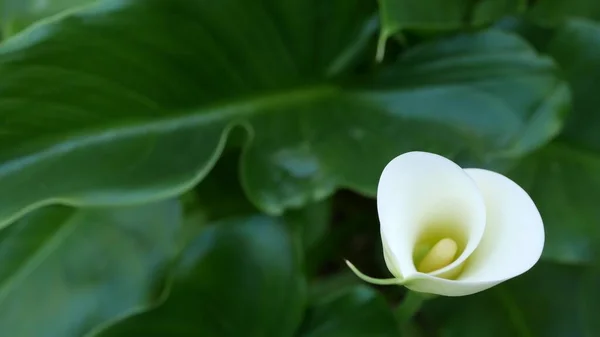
x=424 y=193
x=390 y=261
x=514 y=236
x=512 y=243
x=436 y=285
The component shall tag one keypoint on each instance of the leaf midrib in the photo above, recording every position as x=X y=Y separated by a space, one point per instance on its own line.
x=215 y=113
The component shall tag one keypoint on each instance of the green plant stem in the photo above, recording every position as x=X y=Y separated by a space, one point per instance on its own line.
x=410 y=306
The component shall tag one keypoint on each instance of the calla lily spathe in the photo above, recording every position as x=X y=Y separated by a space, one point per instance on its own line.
x=453 y=231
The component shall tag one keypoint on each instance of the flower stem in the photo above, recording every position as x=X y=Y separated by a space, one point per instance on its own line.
x=410 y=306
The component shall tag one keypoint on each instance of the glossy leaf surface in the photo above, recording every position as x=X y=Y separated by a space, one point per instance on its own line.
x=355 y=312
x=16 y=15
x=65 y=272
x=551 y=301
x=441 y=15
x=554 y=12
x=238 y=277
x=133 y=102
x=563 y=177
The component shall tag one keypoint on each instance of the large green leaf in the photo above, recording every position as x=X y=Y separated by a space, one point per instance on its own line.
x=220 y=193
x=132 y=101
x=485 y=12
x=563 y=178
x=240 y=277
x=397 y=15
x=537 y=35
x=355 y=312
x=576 y=47
x=591 y=301
x=444 y=15
x=63 y=272
x=311 y=223
x=552 y=12
x=564 y=183
x=549 y=301
x=15 y=15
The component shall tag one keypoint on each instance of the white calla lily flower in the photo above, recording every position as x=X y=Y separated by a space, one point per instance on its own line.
x=453 y=231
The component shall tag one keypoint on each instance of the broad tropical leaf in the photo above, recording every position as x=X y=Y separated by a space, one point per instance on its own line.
x=554 y=12
x=551 y=300
x=576 y=47
x=355 y=312
x=563 y=177
x=240 y=277
x=132 y=101
x=563 y=181
x=441 y=15
x=64 y=272
x=15 y=15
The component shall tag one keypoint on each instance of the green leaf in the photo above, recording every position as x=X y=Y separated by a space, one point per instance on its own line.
x=310 y=226
x=240 y=277
x=15 y=15
x=576 y=47
x=11 y=9
x=487 y=11
x=564 y=184
x=432 y=14
x=591 y=301
x=220 y=193
x=563 y=178
x=311 y=223
x=440 y=15
x=553 y=12
x=64 y=272
x=551 y=300
x=538 y=36
x=95 y=134
x=355 y=312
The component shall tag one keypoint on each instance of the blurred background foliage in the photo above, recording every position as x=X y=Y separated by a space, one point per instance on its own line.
x=202 y=168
